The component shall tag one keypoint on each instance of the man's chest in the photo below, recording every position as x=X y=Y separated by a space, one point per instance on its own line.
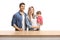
x=20 y=17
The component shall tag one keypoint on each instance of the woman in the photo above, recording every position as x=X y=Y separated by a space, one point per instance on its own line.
x=31 y=21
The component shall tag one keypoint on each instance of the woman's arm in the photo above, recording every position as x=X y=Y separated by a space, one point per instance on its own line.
x=28 y=22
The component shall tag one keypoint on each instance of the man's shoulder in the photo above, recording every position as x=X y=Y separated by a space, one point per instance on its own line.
x=16 y=13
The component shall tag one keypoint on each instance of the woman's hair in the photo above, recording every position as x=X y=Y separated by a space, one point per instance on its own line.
x=32 y=13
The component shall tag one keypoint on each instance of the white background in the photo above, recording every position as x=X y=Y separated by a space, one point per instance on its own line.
x=50 y=11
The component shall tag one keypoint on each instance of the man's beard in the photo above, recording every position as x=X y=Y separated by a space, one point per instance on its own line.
x=21 y=10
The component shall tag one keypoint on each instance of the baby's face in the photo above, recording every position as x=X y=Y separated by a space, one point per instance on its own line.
x=37 y=14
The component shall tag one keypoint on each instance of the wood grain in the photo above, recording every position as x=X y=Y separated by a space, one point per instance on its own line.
x=30 y=33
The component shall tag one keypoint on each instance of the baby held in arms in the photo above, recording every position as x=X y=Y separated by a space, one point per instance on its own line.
x=33 y=22
x=37 y=21
x=39 y=18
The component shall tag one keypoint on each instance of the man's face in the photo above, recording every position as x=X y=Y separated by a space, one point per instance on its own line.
x=22 y=7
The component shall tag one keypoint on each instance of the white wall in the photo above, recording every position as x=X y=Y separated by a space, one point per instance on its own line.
x=50 y=11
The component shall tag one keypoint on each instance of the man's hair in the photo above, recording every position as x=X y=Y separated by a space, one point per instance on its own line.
x=38 y=12
x=21 y=4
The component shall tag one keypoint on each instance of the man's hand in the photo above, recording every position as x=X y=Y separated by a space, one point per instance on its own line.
x=20 y=29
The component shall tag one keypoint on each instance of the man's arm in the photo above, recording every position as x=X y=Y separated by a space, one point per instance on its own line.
x=13 y=23
x=20 y=29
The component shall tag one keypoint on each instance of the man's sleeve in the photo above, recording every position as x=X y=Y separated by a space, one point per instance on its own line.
x=13 y=20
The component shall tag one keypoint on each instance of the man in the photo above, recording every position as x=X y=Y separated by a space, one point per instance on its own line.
x=19 y=18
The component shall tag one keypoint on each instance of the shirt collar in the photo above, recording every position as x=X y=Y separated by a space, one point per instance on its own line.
x=20 y=13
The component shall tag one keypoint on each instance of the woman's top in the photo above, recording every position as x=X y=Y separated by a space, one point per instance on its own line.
x=31 y=22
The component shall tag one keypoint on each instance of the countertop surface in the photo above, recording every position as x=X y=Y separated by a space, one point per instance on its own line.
x=29 y=33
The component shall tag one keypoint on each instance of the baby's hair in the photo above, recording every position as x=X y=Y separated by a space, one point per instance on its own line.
x=38 y=12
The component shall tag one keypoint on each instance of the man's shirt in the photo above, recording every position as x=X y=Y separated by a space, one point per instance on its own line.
x=18 y=19
x=23 y=21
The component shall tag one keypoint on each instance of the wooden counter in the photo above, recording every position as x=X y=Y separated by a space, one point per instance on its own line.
x=29 y=33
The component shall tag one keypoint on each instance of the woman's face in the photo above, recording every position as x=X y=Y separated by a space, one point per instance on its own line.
x=31 y=11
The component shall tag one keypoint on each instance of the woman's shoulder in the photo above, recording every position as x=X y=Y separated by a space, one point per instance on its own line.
x=27 y=16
